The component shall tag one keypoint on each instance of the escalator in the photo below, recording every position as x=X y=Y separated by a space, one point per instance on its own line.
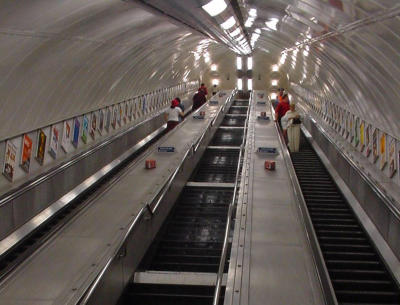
x=357 y=272
x=191 y=240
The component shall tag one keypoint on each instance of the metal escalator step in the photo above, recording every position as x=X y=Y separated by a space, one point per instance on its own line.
x=158 y=294
x=358 y=274
x=370 y=296
x=346 y=247
x=354 y=264
x=227 y=137
x=343 y=240
x=346 y=284
x=356 y=270
x=234 y=121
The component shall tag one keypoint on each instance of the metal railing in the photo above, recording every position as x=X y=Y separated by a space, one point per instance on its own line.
x=220 y=274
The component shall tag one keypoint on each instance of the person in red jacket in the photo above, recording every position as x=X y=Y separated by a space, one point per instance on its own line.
x=198 y=100
x=204 y=89
x=282 y=108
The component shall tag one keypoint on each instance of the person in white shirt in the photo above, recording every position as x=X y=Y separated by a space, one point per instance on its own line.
x=172 y=115
x=291 y=127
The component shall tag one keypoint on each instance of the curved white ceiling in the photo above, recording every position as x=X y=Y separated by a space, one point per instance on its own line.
x=62 y=58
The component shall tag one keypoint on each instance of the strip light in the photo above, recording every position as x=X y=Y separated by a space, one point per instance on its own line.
x=249 y=63
x=228 y=23
x=240 y=84
x=239 y=63
x=215 y=7
x=249 y=84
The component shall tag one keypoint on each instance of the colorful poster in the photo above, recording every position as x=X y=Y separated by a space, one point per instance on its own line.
x=356 y=131
x=125 y=112
x=66 y=136
x=351 y=127
x=367 y=141
x=93 y=125
x=77 y=126
x=85 y=128
x=375 y=153
x=362 y=139
x=26 y=152
x=114 y=118
x=392 y=158
x=101 y=121
x=130 y=111
x=10 y=160
x=108 y=119
x=119 y=115
x=41 y=146
x=382 y=150
x=54 y=141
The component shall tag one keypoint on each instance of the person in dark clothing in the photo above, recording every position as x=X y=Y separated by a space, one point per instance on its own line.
x=204 y=89
x=198 y=100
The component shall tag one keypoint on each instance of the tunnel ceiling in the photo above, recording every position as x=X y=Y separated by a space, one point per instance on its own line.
x=345 y=51
x=62 y=58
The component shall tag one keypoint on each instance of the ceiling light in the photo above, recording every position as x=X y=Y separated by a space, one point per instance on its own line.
x=258 y=31
x=253 y=12
x=272 y=23
x=249 y=23
x=215 y=7
x=228 y=23
x=249 y=84
x=213 y=67
x=249 y=63
x=275 y=68
x=274 y=82
x=273 y=96
x=215 y=82
x=240 y=84
x=239 y=38
x=235 y=32
x=239 y=63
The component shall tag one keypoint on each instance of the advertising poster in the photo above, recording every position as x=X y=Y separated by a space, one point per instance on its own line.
x=375 y=153
x=108 y=119
x=130 y=110
x=367 y=141
x=114 y=118
x=26 y=152
x=93 y=125
x=101 y=121
x=77 y=127
x=54 y=141
x=66 y=136
x=85 y=128
x=120 y=115
x=362 y=139
x=351 y=127
x=356 y=131
x=392 y=158
x=9 y=161
x=41 y=146
x=382 y=150
x=126 y=112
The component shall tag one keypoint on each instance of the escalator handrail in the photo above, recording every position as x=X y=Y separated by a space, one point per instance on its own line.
x=217 y=291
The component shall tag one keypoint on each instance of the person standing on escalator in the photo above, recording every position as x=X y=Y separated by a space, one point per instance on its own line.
x=172 y=115
x=282 y=108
